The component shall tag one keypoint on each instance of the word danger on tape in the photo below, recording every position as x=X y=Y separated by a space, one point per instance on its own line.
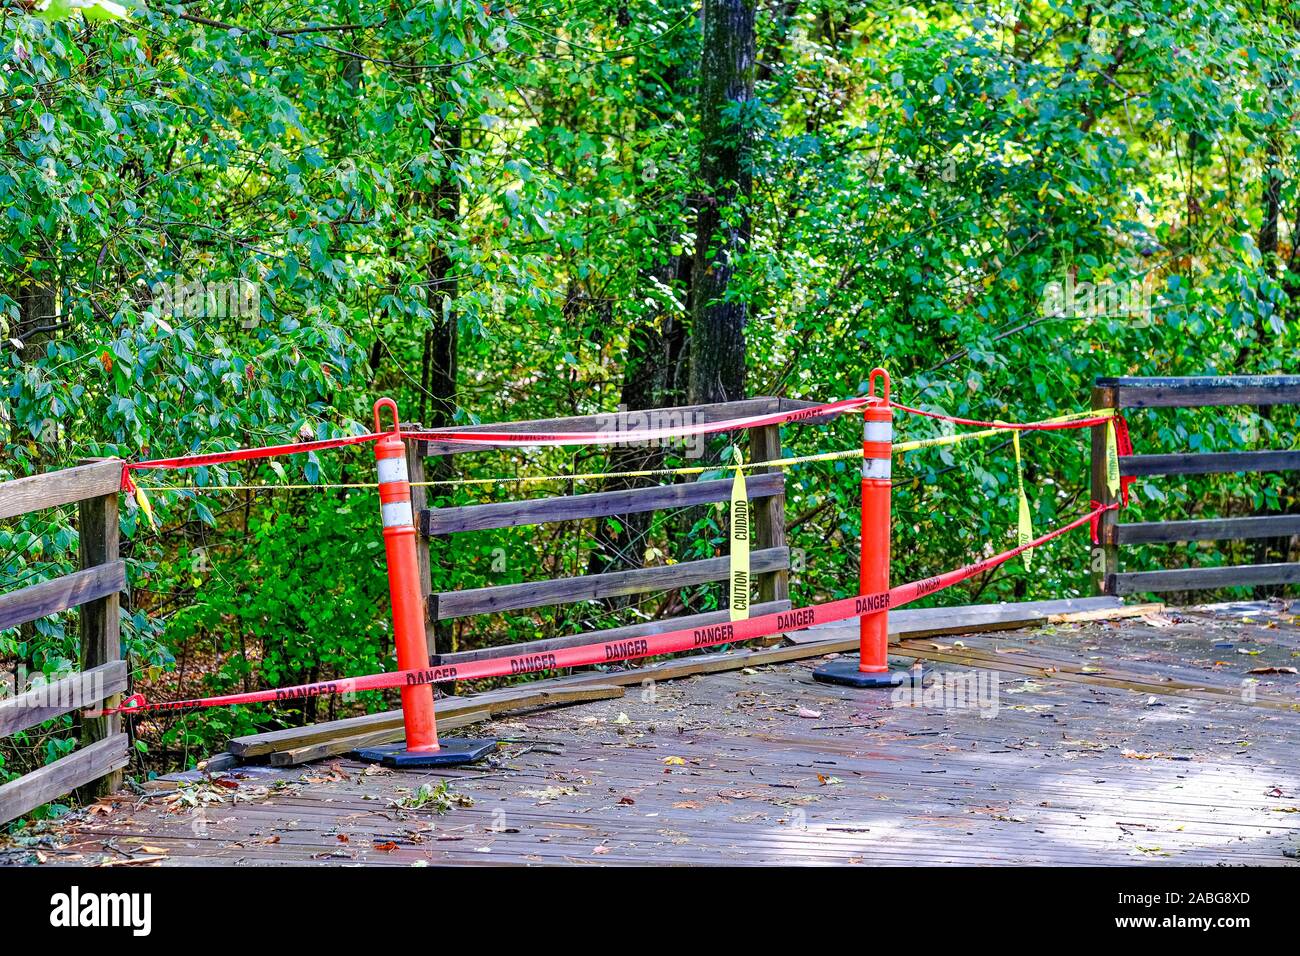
x=654 y=645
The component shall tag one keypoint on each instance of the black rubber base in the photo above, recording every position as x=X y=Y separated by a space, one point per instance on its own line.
x=844 y=671
x=451 y=751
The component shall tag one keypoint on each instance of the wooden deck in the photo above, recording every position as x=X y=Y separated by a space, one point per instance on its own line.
x=1133 y=742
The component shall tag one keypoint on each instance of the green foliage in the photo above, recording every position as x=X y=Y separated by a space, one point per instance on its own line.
x=298 y=595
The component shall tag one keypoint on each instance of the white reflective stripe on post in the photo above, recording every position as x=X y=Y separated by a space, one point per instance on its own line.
x=878 y=431
x=397 y=514
x=392 y=469
x=876 y=468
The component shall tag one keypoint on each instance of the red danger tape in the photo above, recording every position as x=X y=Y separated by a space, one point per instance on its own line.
x=502 y=438
x=1010 y=426
x=241 y=454
x=653 y=645
x=653 y=434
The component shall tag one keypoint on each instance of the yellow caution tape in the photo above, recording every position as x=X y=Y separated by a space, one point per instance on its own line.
x=143 y=501
x=852 y=453
x=739 y=542
x=1112 y=460
x=957 y=439
x=1024 y=523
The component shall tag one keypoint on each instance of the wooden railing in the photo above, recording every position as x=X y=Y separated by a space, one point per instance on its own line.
x=1191 y=392
x=96 y=766
x=769 y=559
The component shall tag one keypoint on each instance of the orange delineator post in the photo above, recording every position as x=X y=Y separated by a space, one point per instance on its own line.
x=872 y=666
x=422 y=747
x=877 y=486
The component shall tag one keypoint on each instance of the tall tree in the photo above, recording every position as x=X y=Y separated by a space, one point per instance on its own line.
x=717 y=370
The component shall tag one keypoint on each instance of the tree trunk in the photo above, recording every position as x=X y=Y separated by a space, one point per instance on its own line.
x=656 y=336
x=621 y=539
x=440 y=365
x=717 y=365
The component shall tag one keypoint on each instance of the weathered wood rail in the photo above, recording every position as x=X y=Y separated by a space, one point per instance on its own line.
x=96 y=766
x=1191 y=392
x=769 y=561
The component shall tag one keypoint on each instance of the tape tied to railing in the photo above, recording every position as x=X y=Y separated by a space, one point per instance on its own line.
x=739 y=533
x=1024 y=521
x=1112 y=461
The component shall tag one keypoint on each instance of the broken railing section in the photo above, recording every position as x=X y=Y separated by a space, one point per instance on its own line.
x=770 y=559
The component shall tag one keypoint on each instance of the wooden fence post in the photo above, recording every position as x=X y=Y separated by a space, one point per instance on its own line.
x=101 y=627
x=768 y=516
x=1105 y=554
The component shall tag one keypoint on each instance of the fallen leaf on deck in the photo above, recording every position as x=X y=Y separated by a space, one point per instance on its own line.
x=388 y=847
x=334 y=773
x=1158 y=620
x=1271 y=670
x=674 y=762
x=549 y=793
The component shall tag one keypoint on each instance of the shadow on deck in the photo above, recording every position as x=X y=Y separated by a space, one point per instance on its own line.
x=1083 y=756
